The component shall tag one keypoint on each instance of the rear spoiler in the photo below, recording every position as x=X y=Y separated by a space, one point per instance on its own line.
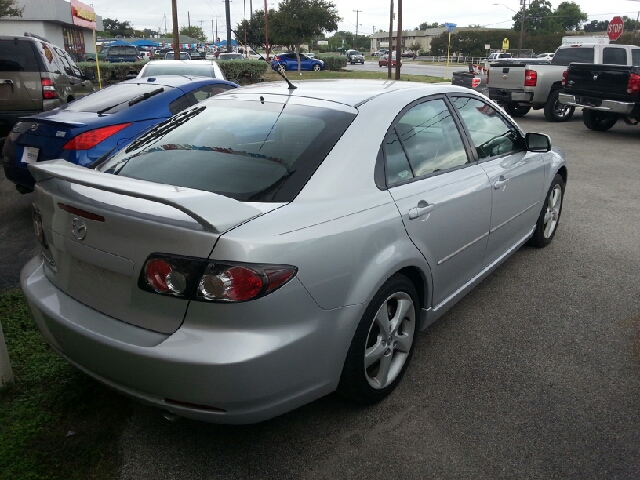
x=216 y=213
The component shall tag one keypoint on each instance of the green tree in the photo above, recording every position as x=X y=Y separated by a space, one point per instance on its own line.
x=194 y=32
x=596 y=26
x=425 y=25
x=570 y=16
x=539 y=19
x=115 y=27
x=299 y=21
x=8 y=8
x=254 y=28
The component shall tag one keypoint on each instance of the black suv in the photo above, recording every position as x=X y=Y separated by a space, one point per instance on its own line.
x=35 y=76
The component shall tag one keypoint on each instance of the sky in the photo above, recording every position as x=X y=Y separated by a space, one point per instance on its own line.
x=374 y=14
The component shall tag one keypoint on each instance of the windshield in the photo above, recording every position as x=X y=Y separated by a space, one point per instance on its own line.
x=248 y=150
x=565 y=56
x=355 y=52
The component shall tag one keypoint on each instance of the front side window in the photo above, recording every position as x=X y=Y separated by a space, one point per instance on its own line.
x=490 y=133
x=425 y=140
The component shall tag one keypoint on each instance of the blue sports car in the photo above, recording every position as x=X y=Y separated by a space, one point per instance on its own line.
x=290 y=62
x=103 y=122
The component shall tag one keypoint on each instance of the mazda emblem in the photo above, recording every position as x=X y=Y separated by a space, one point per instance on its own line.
x=78 y=229
x=34 y=127
x=595 y=77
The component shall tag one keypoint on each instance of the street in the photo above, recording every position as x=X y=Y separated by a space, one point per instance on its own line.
x=534 y=374
x=411 y=67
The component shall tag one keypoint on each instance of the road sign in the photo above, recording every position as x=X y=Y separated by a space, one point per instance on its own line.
x=450 y=26
x=615 y=28
x=322 y=42
x=505 y=44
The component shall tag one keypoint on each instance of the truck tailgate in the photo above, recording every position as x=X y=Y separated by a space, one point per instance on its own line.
x=594 y=80
x=506 y=76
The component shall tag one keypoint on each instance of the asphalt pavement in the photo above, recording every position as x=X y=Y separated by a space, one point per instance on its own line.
x=533 y=375
x=412 y=67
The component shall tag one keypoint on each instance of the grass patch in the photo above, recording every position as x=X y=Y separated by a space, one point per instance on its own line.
x=49 y=399
x=381 y=75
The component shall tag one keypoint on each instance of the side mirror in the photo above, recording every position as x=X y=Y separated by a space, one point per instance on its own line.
x=89 y=75
x=537 y=142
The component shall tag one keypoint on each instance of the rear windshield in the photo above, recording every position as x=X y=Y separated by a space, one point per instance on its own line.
x=564 y=56
x=247 y=150
x=159 y=69
x=17 y=57
x=116 y=96
x=122 y=51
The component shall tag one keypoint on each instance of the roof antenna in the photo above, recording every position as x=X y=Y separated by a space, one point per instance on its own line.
x=280 y=69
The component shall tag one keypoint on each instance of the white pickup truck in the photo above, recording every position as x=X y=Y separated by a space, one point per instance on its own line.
x=526 y=85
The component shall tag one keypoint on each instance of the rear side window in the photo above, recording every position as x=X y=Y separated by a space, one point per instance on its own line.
x=614 y=56
x=116 y=96
x=564 y=56
x=635 y=57
x=247 y=150
x=18 y=57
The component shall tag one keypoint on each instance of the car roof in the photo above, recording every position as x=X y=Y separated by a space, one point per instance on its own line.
x=180 y=62
x=346 y=92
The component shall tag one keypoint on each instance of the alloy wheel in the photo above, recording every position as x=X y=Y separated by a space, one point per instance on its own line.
x=552 y=215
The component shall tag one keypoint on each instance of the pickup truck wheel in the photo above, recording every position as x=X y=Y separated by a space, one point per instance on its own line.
x=598 y=121
x=554 y=111
x=516 y=110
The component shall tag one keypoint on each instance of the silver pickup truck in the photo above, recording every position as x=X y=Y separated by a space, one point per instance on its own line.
x=529 y=84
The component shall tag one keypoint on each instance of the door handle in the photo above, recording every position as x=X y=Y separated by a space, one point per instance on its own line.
x=498 y=184
x=423 y=208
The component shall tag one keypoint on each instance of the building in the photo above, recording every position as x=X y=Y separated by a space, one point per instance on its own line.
x=410 y=37
x=69 y=25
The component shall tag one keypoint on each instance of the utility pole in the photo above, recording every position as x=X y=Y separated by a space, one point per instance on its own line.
x=399 y=41
x=390 y=39
x=266 y=29
x=176 y=34
x=189 y=21
x=227 y=11
x=357 y=22
x=524 y=4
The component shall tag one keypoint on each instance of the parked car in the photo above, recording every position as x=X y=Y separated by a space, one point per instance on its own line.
x=545 y=56
x=203 y=68
x=383 y=61
x=36 y=76
x=534 y=85
x=196 y=54
x=409 y=55
x=83 y=131
x=120 y=54
x=144 y=55
x=498 y=56
x=241 y=261
x=290 y=62
x=606 y=93
x=379 y=53
x=183 y=55
x=469 y=79
x=354 y=56
x=231 y=56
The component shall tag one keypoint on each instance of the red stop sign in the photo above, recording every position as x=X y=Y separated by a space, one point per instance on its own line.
x=615 y=28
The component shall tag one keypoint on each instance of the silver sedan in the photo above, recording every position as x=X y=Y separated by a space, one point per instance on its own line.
x=272 y=245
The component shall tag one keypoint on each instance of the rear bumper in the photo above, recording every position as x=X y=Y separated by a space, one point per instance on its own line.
x=208 y=369
x=611 y=106
x=507 y=96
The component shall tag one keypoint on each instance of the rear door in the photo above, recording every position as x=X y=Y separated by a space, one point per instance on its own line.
x=443 y=197
x=20 y=80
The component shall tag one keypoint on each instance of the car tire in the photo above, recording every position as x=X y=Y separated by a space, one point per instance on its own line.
x=598 y=121
x=516 y=110
x=379 y=64
x=384 y=340
x=554 y=111
x=316 y=68
x=549 y=218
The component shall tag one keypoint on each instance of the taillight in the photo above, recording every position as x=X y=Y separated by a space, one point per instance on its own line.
x=90 y=139
x=475 y=82
x=276 y=58
x=48 y=90
x=530 y=78
x=202 y=280
x=564 y=78
x=633 y=85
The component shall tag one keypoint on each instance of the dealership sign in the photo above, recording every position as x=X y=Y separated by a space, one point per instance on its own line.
x=83 y=15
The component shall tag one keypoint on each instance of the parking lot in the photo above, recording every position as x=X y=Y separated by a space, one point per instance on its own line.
x=534 y=374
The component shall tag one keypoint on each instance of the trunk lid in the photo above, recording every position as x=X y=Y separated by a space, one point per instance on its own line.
x=595 y=80
x=100 y=229
x=49 y=136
